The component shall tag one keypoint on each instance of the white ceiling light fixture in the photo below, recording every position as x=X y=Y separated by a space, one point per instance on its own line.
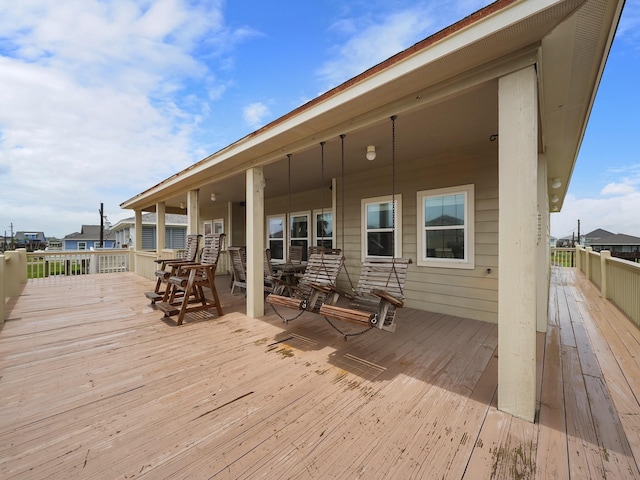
x=181 y=205
x=556 y=183
x=213 y=197
x=371 y=152
x=554 y=199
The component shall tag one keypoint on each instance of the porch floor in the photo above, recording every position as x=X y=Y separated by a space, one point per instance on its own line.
x=96 y=384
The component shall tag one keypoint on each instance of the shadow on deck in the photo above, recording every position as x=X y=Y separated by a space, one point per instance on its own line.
x=96 y=385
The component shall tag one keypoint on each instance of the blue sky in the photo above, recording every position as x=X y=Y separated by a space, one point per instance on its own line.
x=101 y=99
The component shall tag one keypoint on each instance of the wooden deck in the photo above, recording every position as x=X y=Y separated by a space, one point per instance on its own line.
x=95 y=384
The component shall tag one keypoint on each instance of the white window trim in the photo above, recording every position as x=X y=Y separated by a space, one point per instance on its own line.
x=81 y=243
x=469 y=231
x=285 y=235
x=315 y=215
x=397 y=222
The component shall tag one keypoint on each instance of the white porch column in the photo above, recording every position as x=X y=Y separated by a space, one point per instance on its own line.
x=138 y=239
x=255 y=242
x=161 y=241
x=543 y=248
x=517 y=224
x=193 y=214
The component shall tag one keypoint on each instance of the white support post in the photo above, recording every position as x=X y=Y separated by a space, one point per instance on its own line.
x=543 y=248
x=517 y=191
x=161 y=240
x=255 y=242
x=3 y=291
x=138 y=240
x=193 y=213
x=587 y=267
x=605 y=255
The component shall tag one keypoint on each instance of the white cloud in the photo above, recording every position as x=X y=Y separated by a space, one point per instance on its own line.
x=617 y=189
x=93 y=105
x=255 y=113
x=372 y=43
x=618 y=214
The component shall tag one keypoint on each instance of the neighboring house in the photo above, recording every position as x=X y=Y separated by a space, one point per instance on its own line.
x=490 y=111
x=88 y=239
x=175 y=231
x=30 y=240
x=594 y=236
x=619 y=244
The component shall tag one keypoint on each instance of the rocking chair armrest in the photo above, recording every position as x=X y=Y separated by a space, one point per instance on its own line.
x=393 y=300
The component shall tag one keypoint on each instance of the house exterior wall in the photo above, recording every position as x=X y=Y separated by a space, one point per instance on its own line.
x=470 y=293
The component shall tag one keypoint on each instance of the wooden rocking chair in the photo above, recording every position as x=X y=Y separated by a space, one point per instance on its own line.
x=376 y=298
x=321 y=271
x=188 y=283
x=238 y=260
x=167 y=266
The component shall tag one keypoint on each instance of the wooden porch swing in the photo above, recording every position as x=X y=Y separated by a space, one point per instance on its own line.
x=320 y=273
x=380 y=289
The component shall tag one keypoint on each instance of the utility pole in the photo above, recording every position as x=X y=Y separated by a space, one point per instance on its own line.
x=101 y=225
x=579 y=232
x=12 y=247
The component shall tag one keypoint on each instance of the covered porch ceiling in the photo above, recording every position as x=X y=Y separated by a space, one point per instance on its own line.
x=444 y=91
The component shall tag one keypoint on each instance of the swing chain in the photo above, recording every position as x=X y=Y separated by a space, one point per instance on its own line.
x=347 y=335
x=287 y=320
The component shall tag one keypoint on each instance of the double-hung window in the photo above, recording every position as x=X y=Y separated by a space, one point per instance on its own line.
x=446 y=227
x=380 y=233
x=323 y=228
x=276 y=236
x=299 y=231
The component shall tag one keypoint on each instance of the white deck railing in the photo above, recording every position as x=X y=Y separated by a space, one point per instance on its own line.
x=42 y=266
x=618 y=280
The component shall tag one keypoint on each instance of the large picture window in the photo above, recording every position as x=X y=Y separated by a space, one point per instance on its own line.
x=379 y=232
x=445 y=227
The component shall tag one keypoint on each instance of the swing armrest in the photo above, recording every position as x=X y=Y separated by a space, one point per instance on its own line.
x=395 y=301
x=336 y=290
x=321 y=288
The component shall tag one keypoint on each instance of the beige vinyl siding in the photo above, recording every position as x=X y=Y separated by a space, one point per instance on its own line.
x=466 y=293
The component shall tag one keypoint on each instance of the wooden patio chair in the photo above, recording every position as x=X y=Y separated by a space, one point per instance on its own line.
x=190 y=280
x=296 y=253
x=167 y=266
x=379 y=293
x=321 y=271
x=273 y=280
x=238 y=260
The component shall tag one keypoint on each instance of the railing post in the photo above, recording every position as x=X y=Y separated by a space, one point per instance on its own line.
x=3 y=291
x=578 y=259
x=587 y=256
x=604 y=256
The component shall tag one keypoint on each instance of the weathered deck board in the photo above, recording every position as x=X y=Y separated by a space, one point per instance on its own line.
x=100 y=386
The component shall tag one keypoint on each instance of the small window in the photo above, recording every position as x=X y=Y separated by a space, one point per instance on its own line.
x=380 y=232
x=82 y=245
x=446 y=227
x=323 y=229
x=299 y=231
x=218 y=225
x=276 y=236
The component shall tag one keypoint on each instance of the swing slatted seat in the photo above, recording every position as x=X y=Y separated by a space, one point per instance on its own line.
x=188 y=283
x=321 y=271
x=167 y=266
x=376 y=298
